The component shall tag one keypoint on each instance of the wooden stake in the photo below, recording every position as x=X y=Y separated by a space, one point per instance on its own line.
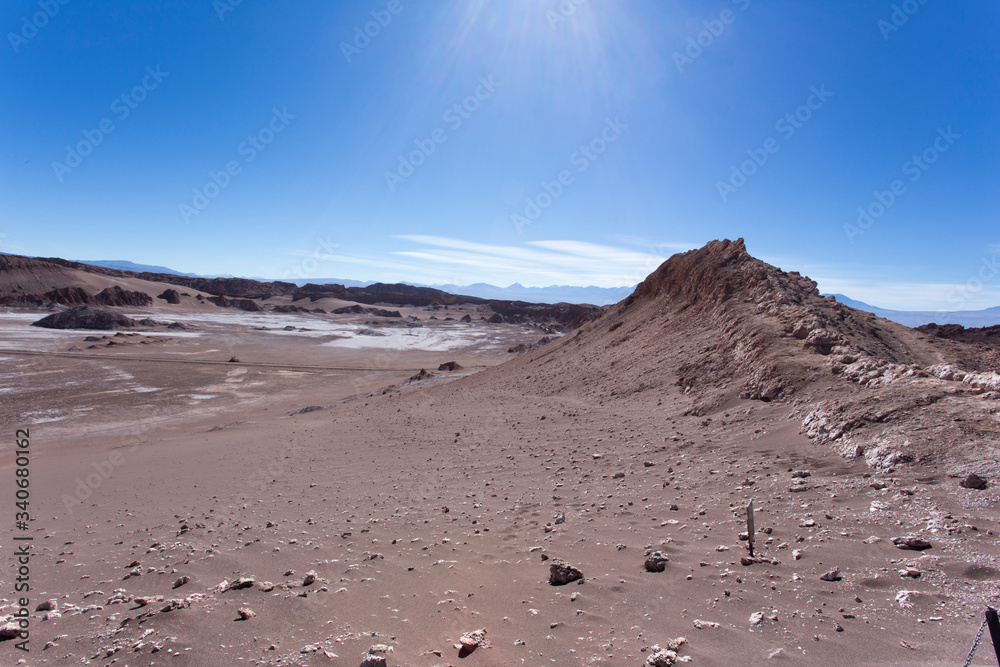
x=750 y=527
x=991 y=620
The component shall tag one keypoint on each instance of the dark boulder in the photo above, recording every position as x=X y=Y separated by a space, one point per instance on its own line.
x=561 y=573
x=973 y=481
x=86 y=317
x=170 y=296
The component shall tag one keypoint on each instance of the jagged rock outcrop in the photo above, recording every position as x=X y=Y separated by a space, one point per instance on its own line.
x=990 y=335
x=116 y=296
x=358 y=310
x=241 y=304
x=69 y=296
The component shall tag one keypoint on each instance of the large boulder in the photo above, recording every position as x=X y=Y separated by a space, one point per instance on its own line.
x=86 y=317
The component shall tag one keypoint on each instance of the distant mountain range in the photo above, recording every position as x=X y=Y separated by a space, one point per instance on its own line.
x=597 y=296
x=915 y=318
x=124 y=265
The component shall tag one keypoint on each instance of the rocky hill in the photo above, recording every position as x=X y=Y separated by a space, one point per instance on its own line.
x=720 y=327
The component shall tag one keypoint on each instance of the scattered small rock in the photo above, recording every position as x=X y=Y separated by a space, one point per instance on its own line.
x=561 y=573
x=973 y=481
x=656 y=561
x=376 y=656
x=665 y=656
x=470 y=641
x=911 y=543
x=176 y=603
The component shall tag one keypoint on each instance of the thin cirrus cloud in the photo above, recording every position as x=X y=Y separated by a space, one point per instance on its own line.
x=535 y=263
x=439 y=260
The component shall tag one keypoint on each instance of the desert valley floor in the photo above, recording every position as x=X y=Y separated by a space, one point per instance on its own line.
x=318 y=495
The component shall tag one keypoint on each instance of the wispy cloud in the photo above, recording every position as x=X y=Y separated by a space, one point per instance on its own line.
x=535 y=263
x=439 y=260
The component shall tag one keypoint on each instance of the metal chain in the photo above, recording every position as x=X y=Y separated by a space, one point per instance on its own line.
x=975 y=644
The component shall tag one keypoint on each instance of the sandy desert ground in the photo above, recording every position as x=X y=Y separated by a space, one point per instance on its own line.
x=186 y=511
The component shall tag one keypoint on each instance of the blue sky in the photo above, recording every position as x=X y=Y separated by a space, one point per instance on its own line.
x=539 y=141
